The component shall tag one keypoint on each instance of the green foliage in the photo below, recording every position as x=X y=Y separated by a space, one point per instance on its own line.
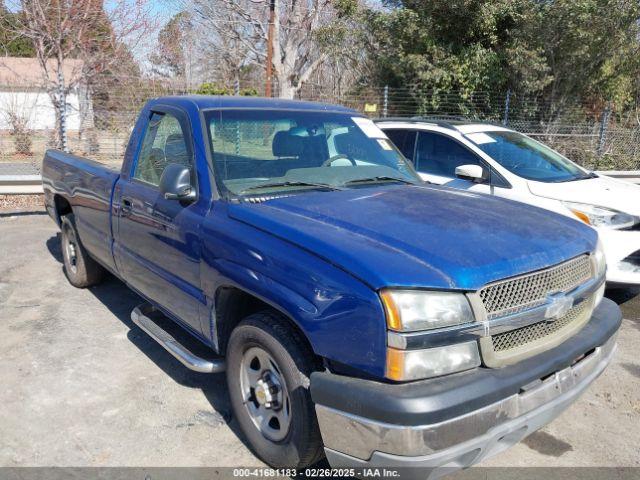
x=249 y=92
x=345 y=8
x=562 y=51
x=12 y=45
x=215 y=89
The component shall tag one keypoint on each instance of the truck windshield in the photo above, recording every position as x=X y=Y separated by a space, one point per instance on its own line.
x=259 y=152
x=527 y=158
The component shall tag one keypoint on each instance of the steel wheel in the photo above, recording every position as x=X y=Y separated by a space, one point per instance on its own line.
x=71 y=249
x=265 y=394
x=80 y=269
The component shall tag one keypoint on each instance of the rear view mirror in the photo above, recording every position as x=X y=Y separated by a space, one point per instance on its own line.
x=472 y=173
x=175 y=183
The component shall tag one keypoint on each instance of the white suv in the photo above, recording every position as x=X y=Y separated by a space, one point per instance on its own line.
x=495 y=160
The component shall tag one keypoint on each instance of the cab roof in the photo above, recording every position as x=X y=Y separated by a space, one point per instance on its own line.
x=202 y=102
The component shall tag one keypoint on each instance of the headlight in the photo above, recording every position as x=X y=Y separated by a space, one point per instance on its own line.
x=599 y=260
x=600 y=269
x=600 y=216
x=414 y=310
x=404 y=365
x=411 y=310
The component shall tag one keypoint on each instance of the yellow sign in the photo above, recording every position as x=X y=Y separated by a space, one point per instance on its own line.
x=370 y=107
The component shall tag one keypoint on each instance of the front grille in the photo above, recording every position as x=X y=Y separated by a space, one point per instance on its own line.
x=527 y=291
x=522 y=336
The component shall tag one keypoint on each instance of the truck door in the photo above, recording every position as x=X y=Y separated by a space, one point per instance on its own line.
x=158 y=246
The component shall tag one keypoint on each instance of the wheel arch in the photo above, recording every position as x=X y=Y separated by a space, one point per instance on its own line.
x=62 y=207
x=232 y=304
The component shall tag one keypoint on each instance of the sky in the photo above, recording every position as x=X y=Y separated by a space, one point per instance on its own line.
x=165 y=9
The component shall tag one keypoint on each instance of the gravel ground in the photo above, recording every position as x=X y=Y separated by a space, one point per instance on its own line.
x=82 y=386
x=21 y=203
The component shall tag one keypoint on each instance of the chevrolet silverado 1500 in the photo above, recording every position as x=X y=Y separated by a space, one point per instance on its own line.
x=359 y=313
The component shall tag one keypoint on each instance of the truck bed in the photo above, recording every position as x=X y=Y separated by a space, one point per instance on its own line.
x=87 y=187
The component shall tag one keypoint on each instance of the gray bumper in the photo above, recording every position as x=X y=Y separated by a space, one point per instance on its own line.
x=352 y=441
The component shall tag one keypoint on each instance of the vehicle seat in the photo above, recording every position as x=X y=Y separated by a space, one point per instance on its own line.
x=285 y=145
x=175 y=150
x=345 y=145
x=151 y=171
x=288 y=149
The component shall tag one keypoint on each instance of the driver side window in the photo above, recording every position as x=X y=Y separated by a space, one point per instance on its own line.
x=164 y=143
x=439 y=155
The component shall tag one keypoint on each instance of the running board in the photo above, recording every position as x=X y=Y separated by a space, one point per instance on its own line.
x=141 y=316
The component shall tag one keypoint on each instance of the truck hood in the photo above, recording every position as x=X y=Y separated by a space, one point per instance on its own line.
x=602 y=191
x=421 y=236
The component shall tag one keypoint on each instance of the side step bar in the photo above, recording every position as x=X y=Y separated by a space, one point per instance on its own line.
x=141 y=316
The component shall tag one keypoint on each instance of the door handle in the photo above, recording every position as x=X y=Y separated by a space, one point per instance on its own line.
x=126 y=207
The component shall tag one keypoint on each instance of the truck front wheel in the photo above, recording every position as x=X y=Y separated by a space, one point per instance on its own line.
x=268 y=368
x=80 y=269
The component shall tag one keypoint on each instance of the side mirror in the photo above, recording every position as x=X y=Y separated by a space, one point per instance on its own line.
x=175 y=183
x=473 y=173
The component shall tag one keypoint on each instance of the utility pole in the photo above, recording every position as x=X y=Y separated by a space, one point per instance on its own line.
x=272 y=18
x=604 y=126
x=385 y=101
x=507 y=103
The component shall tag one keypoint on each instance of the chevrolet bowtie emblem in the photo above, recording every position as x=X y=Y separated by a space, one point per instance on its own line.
x=558 y=306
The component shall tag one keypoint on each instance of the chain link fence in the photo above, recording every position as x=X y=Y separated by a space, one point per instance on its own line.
x=595 y=136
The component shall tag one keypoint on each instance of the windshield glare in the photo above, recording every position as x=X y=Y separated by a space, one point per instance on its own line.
x=527 y=158
x=268 y=151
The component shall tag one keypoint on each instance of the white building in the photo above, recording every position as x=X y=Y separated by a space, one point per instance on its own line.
x=23 y=93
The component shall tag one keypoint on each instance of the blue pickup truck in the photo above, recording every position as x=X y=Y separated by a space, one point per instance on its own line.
x=359 y=313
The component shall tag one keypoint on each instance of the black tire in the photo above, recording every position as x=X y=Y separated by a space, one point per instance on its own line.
x=271 y=332
x=81 y=270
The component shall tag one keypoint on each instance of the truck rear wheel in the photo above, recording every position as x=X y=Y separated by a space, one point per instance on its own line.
x=268 y=368
x=80 y=269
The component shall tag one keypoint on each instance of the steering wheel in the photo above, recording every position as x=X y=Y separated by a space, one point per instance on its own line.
x=329 y=161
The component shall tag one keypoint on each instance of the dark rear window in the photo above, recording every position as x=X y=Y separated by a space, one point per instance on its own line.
x=405 y=140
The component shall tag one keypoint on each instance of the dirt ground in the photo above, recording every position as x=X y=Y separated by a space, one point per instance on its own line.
x=82 y=386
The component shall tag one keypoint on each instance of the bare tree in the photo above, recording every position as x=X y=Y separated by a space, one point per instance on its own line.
x=244 y=24
x=83 y=30
x=223 y=58
x=16 y=114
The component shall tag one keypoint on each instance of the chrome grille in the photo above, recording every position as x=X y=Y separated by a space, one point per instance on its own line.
x=522 y=336
x=527 y=291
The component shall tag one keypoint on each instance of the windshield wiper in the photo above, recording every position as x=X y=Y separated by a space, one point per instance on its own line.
x=590 y=175
x=586 y=176
x=289 y=183
x=380 y=178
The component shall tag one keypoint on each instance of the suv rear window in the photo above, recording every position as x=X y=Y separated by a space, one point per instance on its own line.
x=405 y=140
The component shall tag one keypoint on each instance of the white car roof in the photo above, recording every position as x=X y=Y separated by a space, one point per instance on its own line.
x=464 y=128
x=480 y=127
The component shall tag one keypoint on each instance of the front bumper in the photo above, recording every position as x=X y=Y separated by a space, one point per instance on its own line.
x=618 y=246
x=457 y=421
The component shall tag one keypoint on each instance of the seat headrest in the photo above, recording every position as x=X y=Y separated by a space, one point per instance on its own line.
x=287 y=145
x=175 y=149
x=343 y=143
